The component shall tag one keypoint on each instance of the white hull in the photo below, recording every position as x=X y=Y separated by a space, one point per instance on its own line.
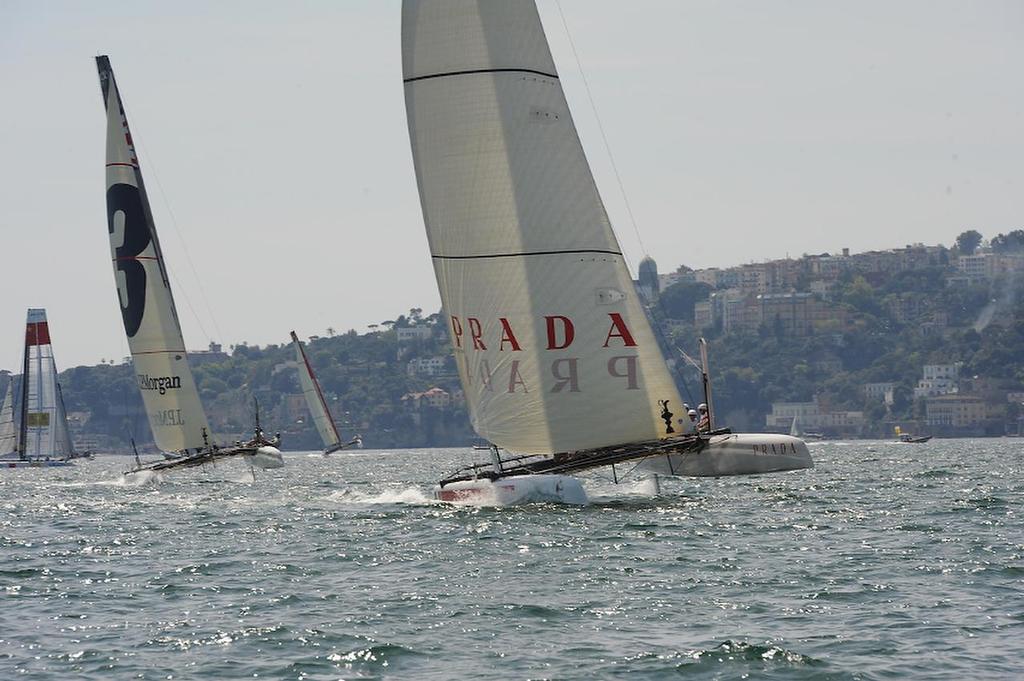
x=268 y=457
x=33 y=463
x=736 y=454
x=516 y=489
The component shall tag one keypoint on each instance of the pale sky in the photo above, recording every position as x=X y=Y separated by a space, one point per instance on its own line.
x=274 y=144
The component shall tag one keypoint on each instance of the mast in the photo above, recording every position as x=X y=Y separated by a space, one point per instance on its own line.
x=318 y=408
x=150 y=319
x=554 y=349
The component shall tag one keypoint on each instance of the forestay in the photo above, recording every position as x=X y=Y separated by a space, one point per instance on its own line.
x=147 y=306
x=314 y=397
x=554 y=350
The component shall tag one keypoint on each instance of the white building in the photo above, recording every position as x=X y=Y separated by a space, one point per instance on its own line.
x=938 y=379
x=408 y=334
x=426 y=366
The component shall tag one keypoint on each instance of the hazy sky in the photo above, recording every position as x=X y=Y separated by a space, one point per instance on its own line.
x=274 y=144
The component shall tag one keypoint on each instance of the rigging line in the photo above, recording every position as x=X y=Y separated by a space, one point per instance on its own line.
x=600 y=127
x=151 y=165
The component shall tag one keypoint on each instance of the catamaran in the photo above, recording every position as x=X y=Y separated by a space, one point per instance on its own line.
x=322 y=418
x=150 y=318
x=42 y=436
x=557 y=358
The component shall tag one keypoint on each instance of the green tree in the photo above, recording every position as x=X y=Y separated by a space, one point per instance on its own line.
x=967 y=243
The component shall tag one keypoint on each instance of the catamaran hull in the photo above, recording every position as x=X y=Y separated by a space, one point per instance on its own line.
x=268 y=457
x=34 y=464
x=736 y=454
x=516 y=489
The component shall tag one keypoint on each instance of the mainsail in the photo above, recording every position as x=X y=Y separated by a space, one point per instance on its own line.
x=553 y=347
x=315 y=398
x=8 y=435
x=44 y=429
x=147 y=306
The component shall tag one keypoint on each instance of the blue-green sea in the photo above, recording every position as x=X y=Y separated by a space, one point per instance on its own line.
x=886 y=561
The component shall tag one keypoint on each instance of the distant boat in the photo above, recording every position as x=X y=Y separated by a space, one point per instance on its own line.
x=557 y=359
x=150 y=319
x=318 y=405
x=42 y=437
x=910 y=439
x=796 y=431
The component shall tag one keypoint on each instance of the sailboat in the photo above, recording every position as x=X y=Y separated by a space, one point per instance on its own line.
x=318 y=405
x=796 y=431
x=150 y=318
x=558 y=361
x=42 y=437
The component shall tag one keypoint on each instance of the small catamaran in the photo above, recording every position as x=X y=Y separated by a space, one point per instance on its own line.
x=150 y=318
x=41 y=437
x=318 y=405
x=556 y=356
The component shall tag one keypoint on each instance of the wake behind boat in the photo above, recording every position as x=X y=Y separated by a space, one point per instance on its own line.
x=150 y=318
x=556 y=356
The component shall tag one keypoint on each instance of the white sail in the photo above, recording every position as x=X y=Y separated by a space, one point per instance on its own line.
x=315 y=397
x=554 y=350
x=40 y=427
x=8 y=435
x=147 y=306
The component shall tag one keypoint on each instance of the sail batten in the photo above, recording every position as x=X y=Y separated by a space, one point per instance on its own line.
x=552 y=344
x=162 y=372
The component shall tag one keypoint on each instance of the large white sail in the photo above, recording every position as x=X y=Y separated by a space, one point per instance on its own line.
x=40 y=425
x=315 y=398
x=8 y=435
x=147 y=306
x=554 y=350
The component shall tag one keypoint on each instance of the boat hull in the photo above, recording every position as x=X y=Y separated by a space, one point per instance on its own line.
x=736 y=454
x=268 y=457
x=515 y=489
x=34 y=464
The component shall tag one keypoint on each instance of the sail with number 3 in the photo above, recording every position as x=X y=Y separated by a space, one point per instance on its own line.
x=150 y=318
x=147 y=307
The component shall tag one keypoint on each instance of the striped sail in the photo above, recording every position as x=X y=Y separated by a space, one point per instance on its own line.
x=44 y=430
x=147 y=306
x=554 y=350
x=8 y=435
x=315 y=397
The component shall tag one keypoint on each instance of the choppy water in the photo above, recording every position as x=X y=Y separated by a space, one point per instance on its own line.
x=885 y=561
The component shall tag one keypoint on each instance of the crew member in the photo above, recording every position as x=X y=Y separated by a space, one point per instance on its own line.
x=704 y=425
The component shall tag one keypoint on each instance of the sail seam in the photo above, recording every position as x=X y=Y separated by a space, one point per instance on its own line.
x=156 y=352
x=525 y=253
x=475 y=71
x=127 y=165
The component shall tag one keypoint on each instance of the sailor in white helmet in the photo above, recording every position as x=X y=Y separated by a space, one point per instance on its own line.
x=690 y=426
x=704 y=425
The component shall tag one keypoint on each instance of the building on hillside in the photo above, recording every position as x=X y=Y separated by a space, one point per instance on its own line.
x=983 y=267
x=812 y=416
x=880 y=392
x=434 y=397
x=957 y=411
x=409 y=334
x=214 y=354
x=938 y=379
x=647 y=279
x=287 y=365
x=427 y=366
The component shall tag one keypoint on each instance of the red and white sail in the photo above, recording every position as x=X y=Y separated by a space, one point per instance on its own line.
x=554 y=350
x=44 y=429
x=315 y=398
x=147 y=306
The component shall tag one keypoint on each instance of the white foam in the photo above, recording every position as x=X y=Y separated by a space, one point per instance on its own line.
x=408 y=495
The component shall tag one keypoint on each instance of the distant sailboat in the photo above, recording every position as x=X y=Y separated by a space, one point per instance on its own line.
x=42 y=437
x=160 y=362
x=318 y=405
x=557 y=359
